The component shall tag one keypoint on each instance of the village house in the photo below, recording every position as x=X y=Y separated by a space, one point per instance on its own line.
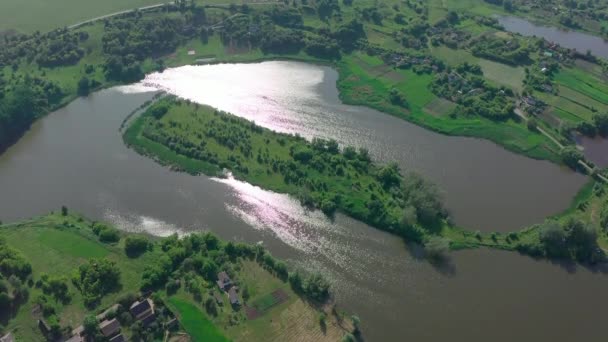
x=143 y=311
x=7 y=338
x=44 y=327
x=109 y=328
x=234 y=297
x=75 y=338
x=224 y=281
x=118 y=338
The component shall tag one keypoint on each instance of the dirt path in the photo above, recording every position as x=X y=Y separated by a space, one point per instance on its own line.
x=589 y=169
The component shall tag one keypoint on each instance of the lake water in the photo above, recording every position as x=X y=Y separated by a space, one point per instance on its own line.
x=568 y=39
x=76 y=157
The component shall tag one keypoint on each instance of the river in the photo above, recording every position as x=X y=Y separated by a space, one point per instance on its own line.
x=566 y=38
x=76 y=157
x=595 y=149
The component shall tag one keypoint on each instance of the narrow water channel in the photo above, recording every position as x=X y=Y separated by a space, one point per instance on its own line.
x=76 y=157
x=579 y=41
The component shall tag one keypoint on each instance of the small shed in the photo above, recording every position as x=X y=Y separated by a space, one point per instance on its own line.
x=109 y=328
x=234 y=297
x=43 y=326
x=118 y=338
x=7 y=338
x=143 y=309
x=224 y=281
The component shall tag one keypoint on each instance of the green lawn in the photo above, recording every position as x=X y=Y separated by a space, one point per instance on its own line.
x=57 y=245
x=195 y=322
x=44 y=15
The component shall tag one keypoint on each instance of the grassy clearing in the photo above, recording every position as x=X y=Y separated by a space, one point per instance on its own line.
x=439 y=106
x=359 y=86
x=195 y=322
x=45 y=15
x=585 y=83
x=57 y=245
x=498 y=73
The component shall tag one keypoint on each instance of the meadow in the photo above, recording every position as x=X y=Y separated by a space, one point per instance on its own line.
x=44 y=15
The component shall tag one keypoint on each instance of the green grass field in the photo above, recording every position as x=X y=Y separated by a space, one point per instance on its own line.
x=56 y=246
x=195 y=322
x=44 y=15
x=499 y=73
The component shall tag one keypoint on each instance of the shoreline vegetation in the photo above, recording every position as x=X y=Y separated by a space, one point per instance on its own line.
x=373 y=72
x=53 y=265
x=453 y=71
x=199 y=139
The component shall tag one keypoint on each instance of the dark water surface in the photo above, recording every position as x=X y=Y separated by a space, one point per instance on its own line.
x=76 y=157
x=568 y=39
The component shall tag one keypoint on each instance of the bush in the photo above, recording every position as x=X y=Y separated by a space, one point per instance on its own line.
x=109 y=235
x=437 y=248
x=136 y=246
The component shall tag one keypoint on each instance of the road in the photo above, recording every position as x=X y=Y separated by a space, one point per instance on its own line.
x=145 y=8
x=589 y=169
x=77 y=25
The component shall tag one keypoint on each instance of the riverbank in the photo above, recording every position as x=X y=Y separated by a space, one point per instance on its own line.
x=197 y=139
x=356 y=70
x=55 y=245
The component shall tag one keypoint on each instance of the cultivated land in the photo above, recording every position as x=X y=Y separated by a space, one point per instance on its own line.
x=56 y=245
x=44 y=15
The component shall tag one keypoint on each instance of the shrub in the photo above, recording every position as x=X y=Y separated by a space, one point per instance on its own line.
x=136 y=246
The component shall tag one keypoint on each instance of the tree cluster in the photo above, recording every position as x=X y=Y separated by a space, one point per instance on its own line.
x=95 y=279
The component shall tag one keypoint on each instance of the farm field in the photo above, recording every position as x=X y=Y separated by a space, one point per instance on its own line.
x=44 y=15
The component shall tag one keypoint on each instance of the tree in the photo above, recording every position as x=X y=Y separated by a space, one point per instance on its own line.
x=532 y=124
x=96 y=278
x=397 y=98
x=437 y=248
x=136 y=246
x=64 y=210
x=90 y=325
x=601 y=123
x=570 y=156
x=84 y=86
x=553 y=238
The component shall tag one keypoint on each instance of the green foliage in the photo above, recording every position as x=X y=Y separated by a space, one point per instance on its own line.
x=84 y=86
x=571 y=155
x=317 y=172
x=601 y=123
x=55 y=286
x=571 y=240
x=106 y=234
x=437 y=248
x=95 y=279
x=13 y=263
x=136 y=246
x=512 y=51
x=90 y=325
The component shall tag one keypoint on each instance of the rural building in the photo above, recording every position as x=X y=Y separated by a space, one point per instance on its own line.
x=103 y=315
x=75 y=338
x=44 y=327
x=7 y=338
x=234 y=297
x=223 y=281
x=118 y=338
x=79 y=330
x=172 y=323
x=142 y=310
x=109 y=328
